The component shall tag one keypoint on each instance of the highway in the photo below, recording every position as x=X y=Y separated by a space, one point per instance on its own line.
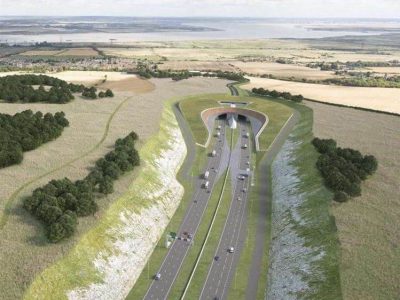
x=222 y=267
x=169 y=270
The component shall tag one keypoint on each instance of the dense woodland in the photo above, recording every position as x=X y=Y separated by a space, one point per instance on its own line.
x=365 y=80
x=276 y=94
x=343 y=169
x=20 y=88
x=59 y=203
x=26 y=131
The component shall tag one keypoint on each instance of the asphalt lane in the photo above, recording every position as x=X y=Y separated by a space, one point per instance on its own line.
x=159 y=289
x=222 y=267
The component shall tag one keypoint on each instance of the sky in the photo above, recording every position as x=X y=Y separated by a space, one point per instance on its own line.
x=212 y=8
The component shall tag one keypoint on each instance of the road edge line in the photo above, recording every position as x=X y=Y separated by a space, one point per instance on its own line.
x=209 y=229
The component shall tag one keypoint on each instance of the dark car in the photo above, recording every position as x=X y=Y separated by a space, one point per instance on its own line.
x=216 y=258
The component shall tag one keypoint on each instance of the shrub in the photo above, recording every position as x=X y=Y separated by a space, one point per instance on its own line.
x=26 y=131
x=60 y=202
x=340 y=197
x=276 y=94
x=343 y=169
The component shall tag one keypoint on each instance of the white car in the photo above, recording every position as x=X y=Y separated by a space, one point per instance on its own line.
x=239 y=199
x=158 y=276
x=231 y=250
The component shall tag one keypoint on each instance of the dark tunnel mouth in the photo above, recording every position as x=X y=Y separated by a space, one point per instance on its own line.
x=244 y=114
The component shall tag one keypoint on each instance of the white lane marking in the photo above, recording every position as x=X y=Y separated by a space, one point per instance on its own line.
x=198 y=224
x=154 y=283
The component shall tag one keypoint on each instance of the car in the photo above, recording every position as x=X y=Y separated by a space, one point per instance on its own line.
x=244 y=190
x=240 y=177
x=239 y=199
x=157 y=276
x=216 y=258
x=190 y=235
x=231 y=250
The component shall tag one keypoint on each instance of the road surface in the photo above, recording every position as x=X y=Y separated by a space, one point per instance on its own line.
x=223 y=266
x=159 y=289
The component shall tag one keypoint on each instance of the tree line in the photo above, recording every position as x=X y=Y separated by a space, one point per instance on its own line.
x=19 y=88
x=276 y=94
x=147 y=72
x=26 y=131
x=59 y=203
x=90 y=93
x=343 y=169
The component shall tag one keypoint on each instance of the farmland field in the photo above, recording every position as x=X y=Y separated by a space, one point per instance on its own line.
x=94 y=126
x=63 y=52
x=380 y=99
x=283 y=70
x=368 y=226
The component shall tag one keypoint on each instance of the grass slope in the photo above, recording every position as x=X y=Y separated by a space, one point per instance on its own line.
x=193 y=106
x=77 y=269
x=314 y=224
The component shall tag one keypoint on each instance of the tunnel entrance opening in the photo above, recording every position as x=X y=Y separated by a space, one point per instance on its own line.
x=223 y=116
x=242 y=118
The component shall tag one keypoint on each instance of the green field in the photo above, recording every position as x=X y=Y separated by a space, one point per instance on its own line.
x=192 y=107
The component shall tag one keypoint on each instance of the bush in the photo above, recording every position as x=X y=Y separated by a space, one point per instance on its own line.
x=343 y=169
x=26 y=131
x=340 y=197
x=276 y=94
x=60 y=202
x=109 y=93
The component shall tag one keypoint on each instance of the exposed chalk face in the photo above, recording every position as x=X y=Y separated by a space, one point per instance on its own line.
x=134 y=238
x=290 y=260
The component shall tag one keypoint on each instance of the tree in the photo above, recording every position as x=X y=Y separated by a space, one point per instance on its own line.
x=340 y=197
x=109 y=93
x=106 y=185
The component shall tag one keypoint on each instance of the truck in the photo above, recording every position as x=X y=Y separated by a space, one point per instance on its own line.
x=206 y=174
